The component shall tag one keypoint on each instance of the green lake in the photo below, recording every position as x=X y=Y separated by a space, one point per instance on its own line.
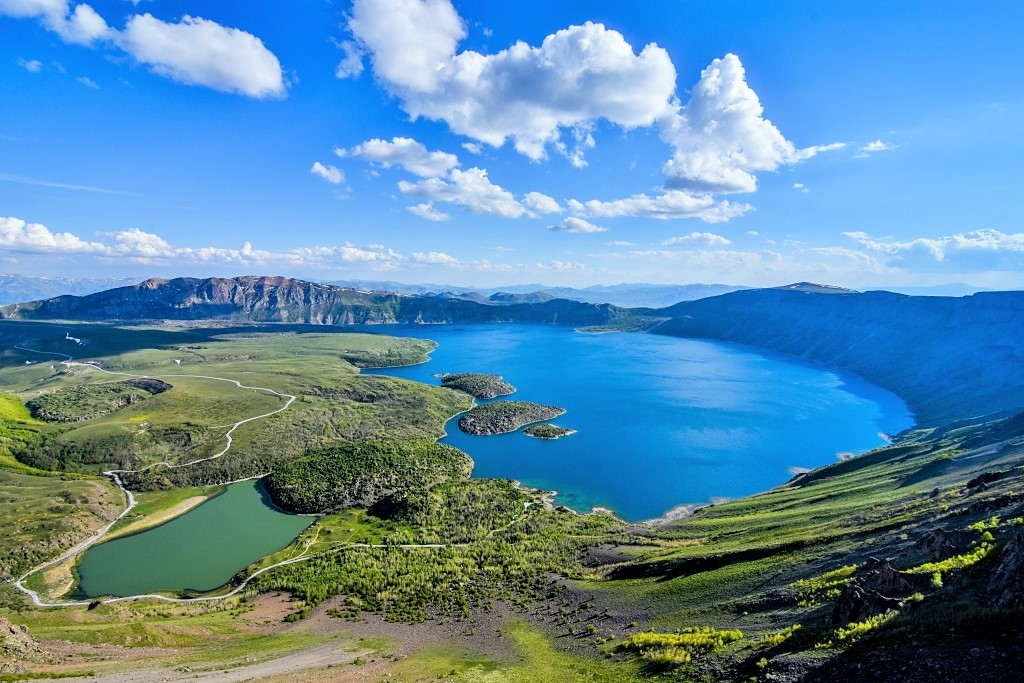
x=197 y=551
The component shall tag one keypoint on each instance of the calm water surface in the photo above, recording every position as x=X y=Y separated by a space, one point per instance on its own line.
x=199 y=550
x=660 y=421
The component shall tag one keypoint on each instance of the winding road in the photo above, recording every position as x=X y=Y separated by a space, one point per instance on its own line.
x=115 y=476
x=131 y=502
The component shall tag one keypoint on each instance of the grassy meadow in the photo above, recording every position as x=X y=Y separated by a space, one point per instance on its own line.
x=741 y=590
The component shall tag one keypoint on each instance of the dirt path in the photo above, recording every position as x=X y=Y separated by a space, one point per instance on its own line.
x=315 y=658
x=129 y=498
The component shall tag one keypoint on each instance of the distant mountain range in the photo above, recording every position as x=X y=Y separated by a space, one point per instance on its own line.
x=280 y=299
x=949 y=358
x=627 y=294
x=15 y=288
x=18 y=288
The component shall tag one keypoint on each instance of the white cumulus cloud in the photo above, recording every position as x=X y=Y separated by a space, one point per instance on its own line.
x=576 y=225
x=471 y=189
x=708 y=239
x=197 y=51
x=436 y=258
x=428 y=212
x=876 y=146
x=82 y=26
x=410 y=154
x=525 y=93
x=51 y=12
x=329 y=173
x=671 y=204
x=351 y=64
x=941 y=248
x=30 y=65
x=138 y=246
x=20 y=236
x=194 y=51
x=721 y=137
x=873 y=148
x=538 y=202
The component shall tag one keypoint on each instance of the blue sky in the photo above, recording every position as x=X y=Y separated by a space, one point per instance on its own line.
x=484 y=143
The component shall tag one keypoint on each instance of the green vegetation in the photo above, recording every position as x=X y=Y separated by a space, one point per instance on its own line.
x=84 y=402
x=13 y=410
x=363 y=474
x=44 y=516
x=774 y=565
x=505 y=416
x=681 y=647
x=394 y=355
x=825 y=588
x=478 y=385
x=94 y=450
x=854 y=631
x=462 y=511
x=513 y=561
x=547 y=431
x=779 y=637
x=534 y=658
x=955 y=563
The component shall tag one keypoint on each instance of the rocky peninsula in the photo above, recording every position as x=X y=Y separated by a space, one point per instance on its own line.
x=505 y=416
x=478 y=385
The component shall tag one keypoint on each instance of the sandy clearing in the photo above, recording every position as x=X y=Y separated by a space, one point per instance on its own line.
x=158 y=518
x=320 y=657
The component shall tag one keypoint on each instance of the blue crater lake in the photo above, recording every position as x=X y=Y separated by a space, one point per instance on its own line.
x=661 y=421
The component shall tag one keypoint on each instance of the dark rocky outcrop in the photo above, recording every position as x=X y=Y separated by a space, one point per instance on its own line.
x=879 y=589
x=1006 y=585
x=935 y=545
x=17 y=644
x=857 y=603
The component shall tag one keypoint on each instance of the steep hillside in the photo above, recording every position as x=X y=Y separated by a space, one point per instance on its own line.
x=949 y=358
x=279 y=299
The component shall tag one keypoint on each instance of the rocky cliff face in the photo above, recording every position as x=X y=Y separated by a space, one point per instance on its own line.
x=279 y=299
x=950 y=358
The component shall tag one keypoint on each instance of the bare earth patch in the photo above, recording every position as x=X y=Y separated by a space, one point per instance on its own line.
x=158 y=518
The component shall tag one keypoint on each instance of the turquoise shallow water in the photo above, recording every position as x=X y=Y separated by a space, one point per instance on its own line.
x=199 y=550
x=660 y=421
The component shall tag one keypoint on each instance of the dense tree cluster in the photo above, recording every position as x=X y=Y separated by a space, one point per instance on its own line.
x=513 y=560
x=478 y=385
x=86 y=401
x=364 y=473
x=505 y=416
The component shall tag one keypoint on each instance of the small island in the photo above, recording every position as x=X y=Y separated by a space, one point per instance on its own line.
x=478 y=385
x=547 y=431
x=505 y=416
